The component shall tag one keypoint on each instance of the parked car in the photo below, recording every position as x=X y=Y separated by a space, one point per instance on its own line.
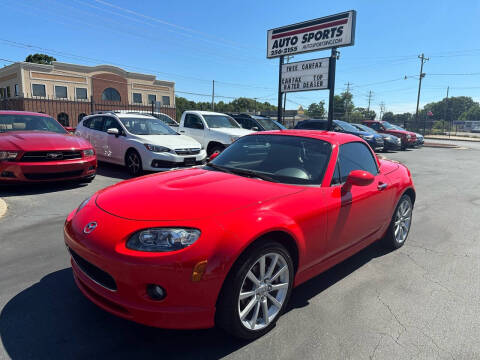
x=475 y=129
x=35 y=148
x=374 y=140
x=140 y=142
x=408 y=138
x=419 y=137
x=390 y=142
x=215 y=131
x=277 y=208
x=161 y=116
x=256 y=123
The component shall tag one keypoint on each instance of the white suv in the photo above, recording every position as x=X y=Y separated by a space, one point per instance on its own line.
x=139 y=141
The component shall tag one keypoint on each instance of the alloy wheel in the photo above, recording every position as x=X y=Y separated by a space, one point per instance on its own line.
x=133 y=163
x=263 y=291
x=403 y=220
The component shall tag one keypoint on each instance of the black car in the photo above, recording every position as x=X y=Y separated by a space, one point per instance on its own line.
x=256 y=123
x=390 y=142
x=374 y=140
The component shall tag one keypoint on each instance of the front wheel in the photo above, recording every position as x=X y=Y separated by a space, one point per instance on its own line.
x=400 y=224
x=133 y=163
x=256 y=291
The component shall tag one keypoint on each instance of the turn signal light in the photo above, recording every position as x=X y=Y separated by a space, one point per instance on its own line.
x=199 y=270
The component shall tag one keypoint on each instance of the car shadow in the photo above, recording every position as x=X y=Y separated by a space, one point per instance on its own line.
x=112 y=171
x=7 y=190
x=53 y=317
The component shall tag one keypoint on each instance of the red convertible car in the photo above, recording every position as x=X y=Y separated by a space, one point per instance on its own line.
x=35 y=148
x=225 y=243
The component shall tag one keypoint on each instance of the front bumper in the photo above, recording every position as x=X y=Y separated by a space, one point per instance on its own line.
x=164 y=161
x=21 y=172
x=188 y=304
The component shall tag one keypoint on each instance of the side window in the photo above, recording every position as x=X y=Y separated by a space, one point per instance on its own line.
x=193 y=122
x=96 y=123
x=355 y=156
x=110 y=123
x=375 y=126
x=86 y=123
x=336 y=175
x=251 y=124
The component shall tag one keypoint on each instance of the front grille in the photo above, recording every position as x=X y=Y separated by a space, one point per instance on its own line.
x=172 y=164
x=41 y=156
x=187 y=151
x=96 y=274
x=57 y=175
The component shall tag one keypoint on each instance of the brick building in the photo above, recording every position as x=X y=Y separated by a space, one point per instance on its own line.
x=68 y=92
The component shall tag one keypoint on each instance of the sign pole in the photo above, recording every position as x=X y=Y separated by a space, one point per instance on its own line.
x=279 y=106
x=331 y=86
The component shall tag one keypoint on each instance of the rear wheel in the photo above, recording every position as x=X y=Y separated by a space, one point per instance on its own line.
x=257 y=292
x=215 y=149
x=399 y=228
x=133 y=163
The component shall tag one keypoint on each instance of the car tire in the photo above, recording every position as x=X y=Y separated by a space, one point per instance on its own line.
x=133 y=162
x=250 y=304
x=215 y=149
x=400 y=224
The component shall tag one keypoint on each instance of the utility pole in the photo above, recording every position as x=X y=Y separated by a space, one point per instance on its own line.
x=213 y=95
x=346 y=100
x=446 y=112
x=423 y=60
x=255 y=111
x=370 y=95
x=382 y=109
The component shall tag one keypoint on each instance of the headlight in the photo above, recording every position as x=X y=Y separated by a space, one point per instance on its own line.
x=234 y=138
x=162 y=239
x=88 y=152
x=157 y=148
x=8 y=155
x=82 y=205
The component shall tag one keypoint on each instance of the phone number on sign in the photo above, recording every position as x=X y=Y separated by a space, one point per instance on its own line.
x=283 y=51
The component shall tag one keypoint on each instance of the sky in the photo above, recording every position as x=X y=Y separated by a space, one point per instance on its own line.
x=195 y=42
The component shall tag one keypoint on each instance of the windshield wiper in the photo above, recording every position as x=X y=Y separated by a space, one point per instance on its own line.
x=221 y=168
x=244 y=172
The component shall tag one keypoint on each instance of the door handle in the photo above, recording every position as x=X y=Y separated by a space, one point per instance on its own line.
x=182 y=131
x=382 y=186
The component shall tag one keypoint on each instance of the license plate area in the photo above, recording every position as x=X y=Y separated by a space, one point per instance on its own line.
x=189 y=161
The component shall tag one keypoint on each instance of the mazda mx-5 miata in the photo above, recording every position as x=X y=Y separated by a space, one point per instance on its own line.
x=225 y=243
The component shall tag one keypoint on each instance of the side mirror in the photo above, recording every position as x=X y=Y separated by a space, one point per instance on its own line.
x=255 y=128
x=358 y=178
x=213 y=156
x=113 y=131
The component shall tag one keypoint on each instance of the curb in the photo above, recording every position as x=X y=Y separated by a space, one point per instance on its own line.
x=453 y=138
x=3 y=208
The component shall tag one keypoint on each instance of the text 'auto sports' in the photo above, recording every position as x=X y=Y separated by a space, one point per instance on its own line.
x=226 y=243
x=35 y=148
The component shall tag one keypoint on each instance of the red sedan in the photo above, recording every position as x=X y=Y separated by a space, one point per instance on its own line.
x=36 y=148
x=409 y=139
x=225 y=243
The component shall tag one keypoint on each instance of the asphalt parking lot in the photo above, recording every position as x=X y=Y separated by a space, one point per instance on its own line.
x=419 y=302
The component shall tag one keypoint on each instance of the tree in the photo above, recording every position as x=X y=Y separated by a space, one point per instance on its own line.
x=388 y=116
x=316 y=110
x=342 y=106
x=473 y=113
x=40 y=59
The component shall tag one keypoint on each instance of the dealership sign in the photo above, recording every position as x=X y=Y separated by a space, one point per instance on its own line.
x=305 y=75
x=319 y=34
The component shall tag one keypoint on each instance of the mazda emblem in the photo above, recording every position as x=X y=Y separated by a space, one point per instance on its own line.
x=89 y=227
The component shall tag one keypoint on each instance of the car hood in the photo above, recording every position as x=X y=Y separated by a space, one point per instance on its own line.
x=187 y=195
x=41 y=141
x=233 y=131
x=170 y=141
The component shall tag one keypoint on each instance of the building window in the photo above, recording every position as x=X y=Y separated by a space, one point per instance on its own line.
x=111 y=94
x=60 y=92
x=3 y=93
x=166 y=100
x=16 y=90
x=38 y=90
x=81 y=93
x=137 y=98
x=152 y=98
x=63 y=119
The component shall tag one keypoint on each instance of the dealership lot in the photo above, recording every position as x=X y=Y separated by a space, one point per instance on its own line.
x=417 y=302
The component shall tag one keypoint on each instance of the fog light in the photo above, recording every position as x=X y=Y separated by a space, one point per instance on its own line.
x=156 y=292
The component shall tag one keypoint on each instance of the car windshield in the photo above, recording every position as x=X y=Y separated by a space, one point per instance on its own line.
x=389 y=126
x=167 y=120
x=267 y=123
x=365 y=128
x=146 y=126
x=220 y=121
x=286 y=159
x=19 y=122
x=346 y=126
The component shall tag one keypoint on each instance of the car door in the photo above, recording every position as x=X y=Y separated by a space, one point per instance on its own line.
x=97 y=136
x=115 y=145
x=194 y=127
x=362 y=212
